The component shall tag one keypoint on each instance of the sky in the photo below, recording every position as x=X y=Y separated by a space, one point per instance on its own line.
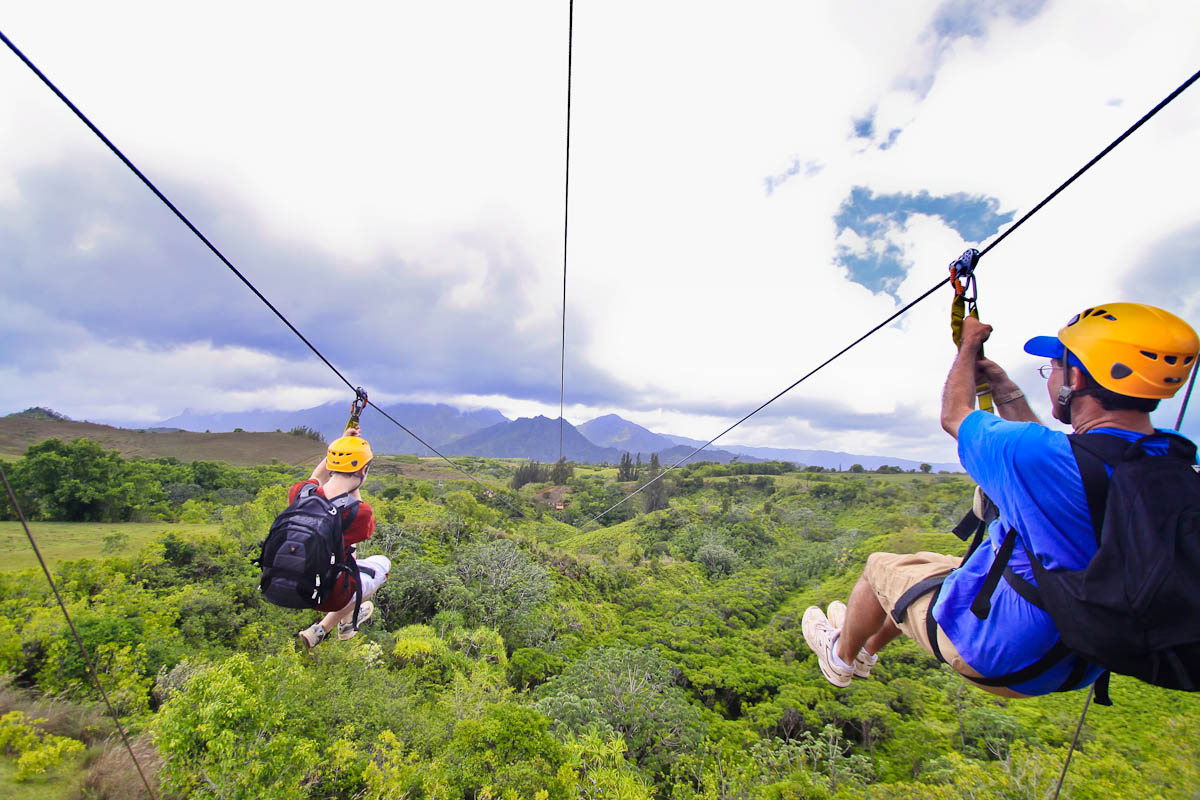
x=752 y=187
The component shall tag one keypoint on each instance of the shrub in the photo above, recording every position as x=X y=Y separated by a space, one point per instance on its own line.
x=37 y=751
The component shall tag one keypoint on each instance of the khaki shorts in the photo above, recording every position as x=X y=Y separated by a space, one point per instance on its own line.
x=890 y=575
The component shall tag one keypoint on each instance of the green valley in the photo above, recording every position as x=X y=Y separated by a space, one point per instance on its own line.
x=519 y=651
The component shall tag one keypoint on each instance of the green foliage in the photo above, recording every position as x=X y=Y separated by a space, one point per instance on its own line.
x=654 y=495
x=626 y=470
x=37 y=751
x=654 y=655
x=629 y=691
x=533 y=472
x=80 y=481
x=508 y=749
x=561 y=472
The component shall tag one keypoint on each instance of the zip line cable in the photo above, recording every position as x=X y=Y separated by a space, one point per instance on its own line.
x=1187 y=396
x=940 y=284
x=1086 y=704
x=182 y=218
x=562 y=378
x=12 y=498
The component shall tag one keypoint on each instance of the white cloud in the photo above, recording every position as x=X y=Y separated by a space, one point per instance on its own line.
x=432 y=133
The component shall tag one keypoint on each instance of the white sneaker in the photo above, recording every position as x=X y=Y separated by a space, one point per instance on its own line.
x=864 y=660
x=346 y=630
x=311 y=637
x=819 y=635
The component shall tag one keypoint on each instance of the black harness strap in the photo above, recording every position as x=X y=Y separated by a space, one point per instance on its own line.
x=981 y=606
x=1091 y=455
x=1024 y=588
x=1038 y=668
x=910 y=596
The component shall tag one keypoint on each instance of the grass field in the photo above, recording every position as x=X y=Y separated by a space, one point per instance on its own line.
x=67 y=541
x=62 y=783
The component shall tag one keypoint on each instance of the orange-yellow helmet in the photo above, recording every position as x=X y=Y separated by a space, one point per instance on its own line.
x=1128 y=348
x=348 y=454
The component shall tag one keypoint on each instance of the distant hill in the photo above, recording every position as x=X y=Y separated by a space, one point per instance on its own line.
x=436 y=424
x=629 y=437
x=831 y=459
x=535 y=438
x=19 y=431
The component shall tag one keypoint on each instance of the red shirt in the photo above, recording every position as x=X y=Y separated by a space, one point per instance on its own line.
x=359 y=530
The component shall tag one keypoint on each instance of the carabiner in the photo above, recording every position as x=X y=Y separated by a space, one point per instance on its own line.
x=962 y=276
x=356 y=407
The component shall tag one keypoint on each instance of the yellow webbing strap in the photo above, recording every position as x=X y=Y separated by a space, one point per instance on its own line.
x=958 y=309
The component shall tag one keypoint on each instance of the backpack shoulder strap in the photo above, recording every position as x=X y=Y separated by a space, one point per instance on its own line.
x=347 y=505
x=1092 y=452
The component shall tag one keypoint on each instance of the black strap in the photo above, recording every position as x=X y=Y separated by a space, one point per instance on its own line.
x=981 y=606
x=1038 y=668
x=967 y=526
x=1102 y=696
x=1091 y=455
x=1024 y=588
x=931 y=628
x=1075 y=676
x=917 y=590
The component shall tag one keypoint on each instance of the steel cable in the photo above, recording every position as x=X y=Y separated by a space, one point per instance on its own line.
x=183 y=218
x=1161 y=105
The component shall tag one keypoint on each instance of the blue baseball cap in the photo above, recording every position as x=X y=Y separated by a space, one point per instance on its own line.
x=1051 y=347
x=1047 y=346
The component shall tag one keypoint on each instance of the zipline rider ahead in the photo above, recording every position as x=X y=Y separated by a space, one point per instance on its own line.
x=993 y=618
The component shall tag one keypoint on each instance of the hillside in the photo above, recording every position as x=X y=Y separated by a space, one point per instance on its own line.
x=435 y=423
x=534 y=438
x=19 y=431
x=628 y=437
x=527 y=654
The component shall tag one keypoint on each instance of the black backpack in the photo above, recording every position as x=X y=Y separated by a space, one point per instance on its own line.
x=305 y=553
x=1135 y=608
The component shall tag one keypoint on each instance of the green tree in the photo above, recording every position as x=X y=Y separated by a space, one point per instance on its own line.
x=79 y=482
x=561 y=472
x=532 y=472
x=625 y=470
x=926 y=468
x=633 y=692
x=655 y=493
x=505 y=585
x=508 y=749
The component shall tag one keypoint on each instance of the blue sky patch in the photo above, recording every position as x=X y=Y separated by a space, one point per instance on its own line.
x=956 y=18
x=865 y=219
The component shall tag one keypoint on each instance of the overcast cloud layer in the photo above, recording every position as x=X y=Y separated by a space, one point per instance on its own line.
x=752 y=188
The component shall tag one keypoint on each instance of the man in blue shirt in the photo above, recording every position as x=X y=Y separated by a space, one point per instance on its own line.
x=1109 y=367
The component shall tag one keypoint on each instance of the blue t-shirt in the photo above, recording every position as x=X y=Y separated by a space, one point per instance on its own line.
x=1030 y=473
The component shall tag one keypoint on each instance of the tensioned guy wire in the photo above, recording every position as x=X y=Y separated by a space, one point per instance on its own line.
x=562 y=378
x=12 y=498
x=149 y=184
x=1165 y=101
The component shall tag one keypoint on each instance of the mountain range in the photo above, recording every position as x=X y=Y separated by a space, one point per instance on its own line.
x=488 y=433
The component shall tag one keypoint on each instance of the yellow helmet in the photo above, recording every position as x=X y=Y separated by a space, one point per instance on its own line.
x=1129 y=348
x=348 y=454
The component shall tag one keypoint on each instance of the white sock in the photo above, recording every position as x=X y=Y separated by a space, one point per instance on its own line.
x=833 y=656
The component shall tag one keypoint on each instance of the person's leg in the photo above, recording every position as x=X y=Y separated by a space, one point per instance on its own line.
x=865 y=618
x=373 y=572
x=880 y=640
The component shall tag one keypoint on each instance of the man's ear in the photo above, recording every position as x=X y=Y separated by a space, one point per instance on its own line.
x=1078 y=379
